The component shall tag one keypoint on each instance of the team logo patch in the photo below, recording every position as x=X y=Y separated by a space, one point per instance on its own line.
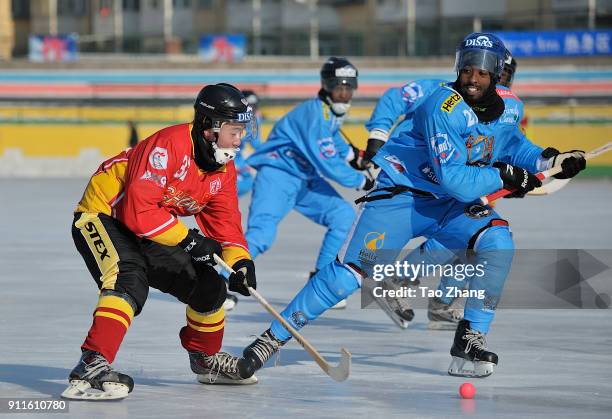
x=477 y=211
x=327 y=147
x=299 y=319
x=411 y=92
x=215 y=186
x=159 y=158
x=396 y=163
x=442 y=148
x=451 y=102
x=479 y=148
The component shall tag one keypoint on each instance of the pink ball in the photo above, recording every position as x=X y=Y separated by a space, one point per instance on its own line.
x=467 y=391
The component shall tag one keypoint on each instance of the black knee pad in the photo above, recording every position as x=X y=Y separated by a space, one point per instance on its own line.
x=132 y=280
x=209 y=293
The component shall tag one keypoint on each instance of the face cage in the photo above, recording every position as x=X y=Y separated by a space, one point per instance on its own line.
x=479 y=58
x=329 y=84
x=250 y=130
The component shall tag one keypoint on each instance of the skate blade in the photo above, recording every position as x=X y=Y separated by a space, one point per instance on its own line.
x=382 y=303
x=441 y=325
x=81 y=390
x=460 y=367
x=339 y=305
x=213 y=379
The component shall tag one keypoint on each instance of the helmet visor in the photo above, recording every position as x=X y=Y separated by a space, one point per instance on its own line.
x=480 y=58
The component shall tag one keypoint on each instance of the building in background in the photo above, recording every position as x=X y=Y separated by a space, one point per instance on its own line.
x=291 y=27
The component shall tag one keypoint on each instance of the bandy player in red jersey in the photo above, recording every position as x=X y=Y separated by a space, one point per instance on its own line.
x=126 y=228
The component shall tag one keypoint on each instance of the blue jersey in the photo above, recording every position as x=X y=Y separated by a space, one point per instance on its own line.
x=307 y=143
x=449 y=153
x=402 y=102
x=399 y=102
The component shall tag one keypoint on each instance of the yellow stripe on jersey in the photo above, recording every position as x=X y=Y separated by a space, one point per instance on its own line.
x=103 y=187
x=172 y=236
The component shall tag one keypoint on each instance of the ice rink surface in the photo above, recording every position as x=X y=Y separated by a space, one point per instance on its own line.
x=553 y=363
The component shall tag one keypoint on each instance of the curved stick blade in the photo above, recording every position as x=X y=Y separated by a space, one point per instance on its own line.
x=343 y=369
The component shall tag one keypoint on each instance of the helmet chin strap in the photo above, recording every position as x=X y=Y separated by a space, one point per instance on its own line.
x=339 y=109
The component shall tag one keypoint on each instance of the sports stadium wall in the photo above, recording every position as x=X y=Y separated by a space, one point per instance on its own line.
x=72 y=141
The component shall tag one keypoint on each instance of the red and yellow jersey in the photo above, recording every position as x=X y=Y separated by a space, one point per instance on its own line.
x=148 y=187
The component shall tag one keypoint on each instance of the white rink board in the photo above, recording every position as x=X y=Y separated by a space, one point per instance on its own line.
x=553 y=363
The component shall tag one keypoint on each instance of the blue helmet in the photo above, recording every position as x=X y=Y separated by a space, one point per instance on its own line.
x=483 y=50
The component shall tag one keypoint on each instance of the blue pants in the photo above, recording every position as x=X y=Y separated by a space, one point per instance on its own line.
x=384 y=227
x=276 y=192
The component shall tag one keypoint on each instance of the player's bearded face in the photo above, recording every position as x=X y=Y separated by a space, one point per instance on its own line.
x=474 y=82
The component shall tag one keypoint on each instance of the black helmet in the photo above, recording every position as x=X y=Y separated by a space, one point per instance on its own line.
x=215 y=105
x=222 y=102
x=251 y=97
x=509 y=69
x=337 y=71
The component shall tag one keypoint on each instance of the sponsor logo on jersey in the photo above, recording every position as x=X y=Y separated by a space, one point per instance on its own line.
x=182 y=171
x=154 y=177
x=510 y=116
x=481 y=41
x=503 y=93
x=451 y=102
x=327 y=147
x=442 y=148
x=215 y=186
x=159 y=158
x=396 y=163
x=429 y=173
x=479 y=149
x=180 y=199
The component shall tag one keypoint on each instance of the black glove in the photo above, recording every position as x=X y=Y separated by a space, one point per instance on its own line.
x=200 y=248
x=243 y=276
x=515 y=177
x=357 y=162
x=572 y=162
x=371 y=149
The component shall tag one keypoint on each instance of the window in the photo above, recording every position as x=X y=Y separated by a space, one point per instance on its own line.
x=21 y=9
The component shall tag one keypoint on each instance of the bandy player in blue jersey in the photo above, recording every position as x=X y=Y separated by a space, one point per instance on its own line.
x=463 y=135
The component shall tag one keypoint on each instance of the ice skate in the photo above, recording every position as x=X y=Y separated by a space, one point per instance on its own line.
x=469 y=355
x=397 y=308
x=221 y=368
x=443 y=316
x=261 y=349
x=93 y=379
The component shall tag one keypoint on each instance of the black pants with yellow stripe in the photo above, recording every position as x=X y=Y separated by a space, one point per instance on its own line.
x=120 y=261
